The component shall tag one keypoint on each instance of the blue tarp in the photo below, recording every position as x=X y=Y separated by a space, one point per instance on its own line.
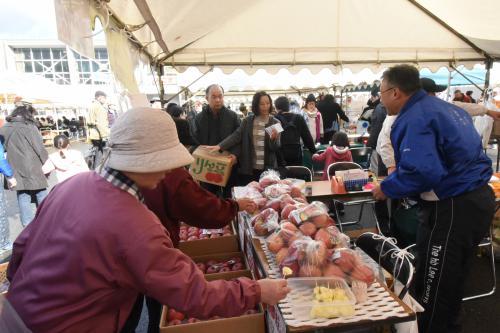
x=476 y=75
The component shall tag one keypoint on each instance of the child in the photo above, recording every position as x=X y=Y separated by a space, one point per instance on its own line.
x=66 y=162
x=338 y=152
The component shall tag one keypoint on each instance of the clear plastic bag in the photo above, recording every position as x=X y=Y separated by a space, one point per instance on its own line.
x=351 y=264
x=265 y=222
x=332 y=237
x=277 y=190
x=269 y=177
x=315 y=213
x=240 y=192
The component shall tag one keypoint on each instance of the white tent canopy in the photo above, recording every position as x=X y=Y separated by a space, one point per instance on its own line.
x=313 y=34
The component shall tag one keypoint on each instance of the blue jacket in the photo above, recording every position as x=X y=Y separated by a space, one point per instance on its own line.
x=4 y=164
x=436 y=148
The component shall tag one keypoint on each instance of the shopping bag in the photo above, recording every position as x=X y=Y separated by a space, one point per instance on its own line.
x=411 y=326
x=484 y=126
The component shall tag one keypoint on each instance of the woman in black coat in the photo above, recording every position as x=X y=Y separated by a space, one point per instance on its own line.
x=330 y=112
x=182 y=126
x=259 y=146
x=26 y=154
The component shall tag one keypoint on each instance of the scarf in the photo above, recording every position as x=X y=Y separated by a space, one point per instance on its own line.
x=316 y=115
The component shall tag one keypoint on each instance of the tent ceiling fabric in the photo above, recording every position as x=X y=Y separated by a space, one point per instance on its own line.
x=300 y=34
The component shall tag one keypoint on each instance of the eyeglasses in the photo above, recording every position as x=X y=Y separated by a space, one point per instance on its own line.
x=388 y=89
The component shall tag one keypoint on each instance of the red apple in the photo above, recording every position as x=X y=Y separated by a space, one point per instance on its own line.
x=236 y=259
x=192 y=320
x=237 y=267
x=172 y=314
x=214 y=235
x=213 y=269
x=174 y=322
x=225 y=269
x=201 y=266
x=308 y=228
x=211 y=262
x=192 y=238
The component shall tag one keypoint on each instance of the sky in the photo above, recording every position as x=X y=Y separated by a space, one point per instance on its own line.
x=27 y=19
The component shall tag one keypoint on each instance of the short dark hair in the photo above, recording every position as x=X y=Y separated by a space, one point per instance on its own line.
x=404 y=77
x=469 y=92
x=256 y=101
x=170 y=106
x=99 y=93
x=175 y=111
x=340 y=139
x=26 y=112
x=282 y=104
x=211 y=86
x=61 y=141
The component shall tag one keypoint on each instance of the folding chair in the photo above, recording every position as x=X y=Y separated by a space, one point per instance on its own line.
x=299 y=172
x=317 y=167
x=487 y=241
x=342 y=166
x=361 y=156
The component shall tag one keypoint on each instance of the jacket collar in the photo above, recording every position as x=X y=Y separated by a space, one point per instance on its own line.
x=412 y=100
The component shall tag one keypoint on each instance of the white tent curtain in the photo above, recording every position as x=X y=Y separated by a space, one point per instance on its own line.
x=297 y=34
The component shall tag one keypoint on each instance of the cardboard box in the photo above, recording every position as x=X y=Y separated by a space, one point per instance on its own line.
x=253 y=323
x=201 y=247
x=211 y=167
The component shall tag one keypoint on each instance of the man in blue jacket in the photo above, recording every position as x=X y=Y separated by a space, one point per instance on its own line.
x=439 y=158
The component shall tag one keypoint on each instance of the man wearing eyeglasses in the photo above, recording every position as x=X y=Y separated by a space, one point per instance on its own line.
x=439 y=158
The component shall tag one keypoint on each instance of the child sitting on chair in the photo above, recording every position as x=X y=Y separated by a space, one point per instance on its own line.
x=338 y=152
x=66 y=162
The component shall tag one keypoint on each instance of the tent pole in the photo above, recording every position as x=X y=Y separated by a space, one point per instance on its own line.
x=465 y=77
x=448 y=88
x=189 y=85
x=159 y=71
x=489 y=65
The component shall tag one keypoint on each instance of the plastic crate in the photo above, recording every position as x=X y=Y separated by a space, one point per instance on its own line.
x=303 y=301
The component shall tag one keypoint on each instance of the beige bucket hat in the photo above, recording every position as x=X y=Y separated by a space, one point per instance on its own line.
x=145 y=140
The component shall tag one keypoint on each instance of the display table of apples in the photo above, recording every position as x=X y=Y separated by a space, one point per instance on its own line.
x=300 y=241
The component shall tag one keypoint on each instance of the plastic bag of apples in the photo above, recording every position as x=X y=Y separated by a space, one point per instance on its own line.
x=265 y=222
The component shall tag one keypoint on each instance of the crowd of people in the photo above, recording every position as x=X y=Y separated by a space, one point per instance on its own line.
x=70 y=271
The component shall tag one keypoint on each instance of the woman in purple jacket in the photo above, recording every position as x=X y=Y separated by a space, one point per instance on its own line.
x=93 y=246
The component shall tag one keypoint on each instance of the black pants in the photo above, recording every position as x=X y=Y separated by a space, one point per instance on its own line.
x=154 y=314
x=100 y=145
x=449 y=232
x=327 y=137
